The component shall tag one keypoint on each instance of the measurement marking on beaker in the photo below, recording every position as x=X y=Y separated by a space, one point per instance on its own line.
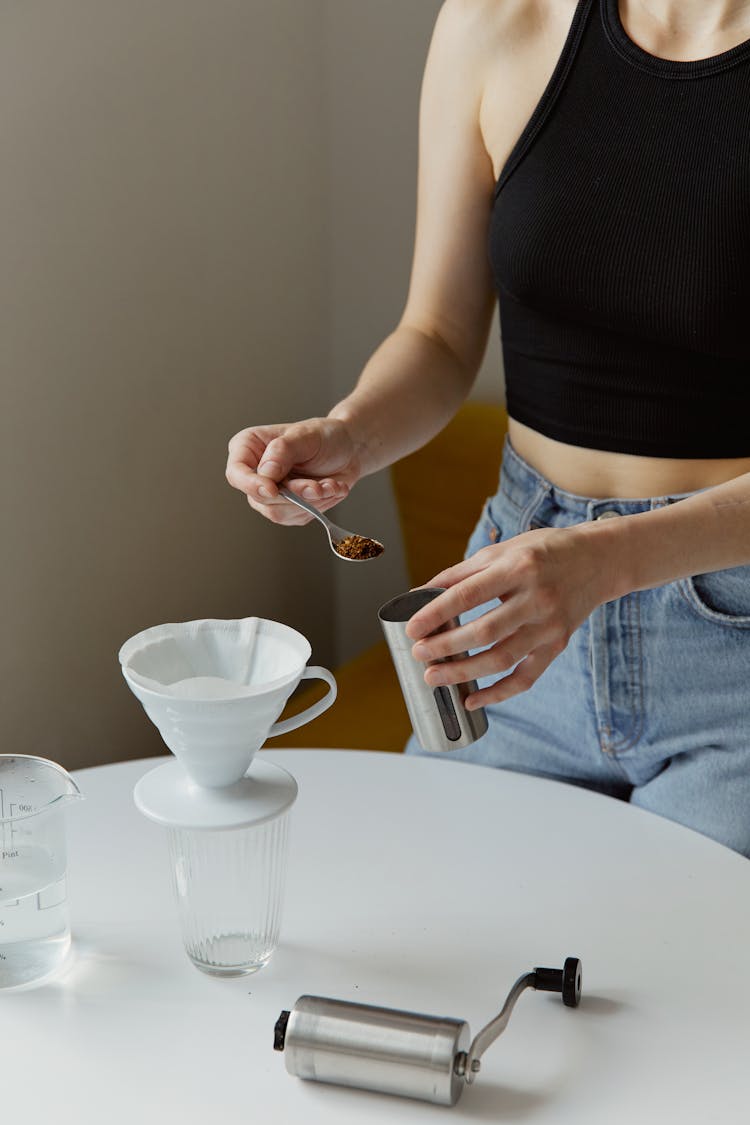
x=53 y=896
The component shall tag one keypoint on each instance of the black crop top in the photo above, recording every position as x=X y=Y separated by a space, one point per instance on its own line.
x=620 y=247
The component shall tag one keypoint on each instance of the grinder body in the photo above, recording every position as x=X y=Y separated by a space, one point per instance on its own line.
x=381 y=1049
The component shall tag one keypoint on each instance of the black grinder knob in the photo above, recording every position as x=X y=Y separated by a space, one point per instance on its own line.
x=566 y=980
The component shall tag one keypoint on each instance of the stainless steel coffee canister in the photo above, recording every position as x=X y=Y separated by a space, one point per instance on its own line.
x=438 y=715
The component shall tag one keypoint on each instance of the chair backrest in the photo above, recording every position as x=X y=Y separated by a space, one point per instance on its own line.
x=440 y=488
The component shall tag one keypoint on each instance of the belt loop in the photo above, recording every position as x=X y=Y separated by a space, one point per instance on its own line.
x=542 y=491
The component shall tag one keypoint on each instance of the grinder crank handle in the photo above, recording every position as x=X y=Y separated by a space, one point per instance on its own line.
x=566 y=980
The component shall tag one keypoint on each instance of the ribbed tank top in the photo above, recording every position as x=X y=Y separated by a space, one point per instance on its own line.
x=620 y=248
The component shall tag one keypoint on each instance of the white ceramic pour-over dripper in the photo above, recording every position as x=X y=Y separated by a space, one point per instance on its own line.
x=214 y=689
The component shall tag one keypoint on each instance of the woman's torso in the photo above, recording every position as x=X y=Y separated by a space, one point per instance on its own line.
x=525 y=41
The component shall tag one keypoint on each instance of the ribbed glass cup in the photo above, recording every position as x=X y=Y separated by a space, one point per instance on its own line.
x=229 y=887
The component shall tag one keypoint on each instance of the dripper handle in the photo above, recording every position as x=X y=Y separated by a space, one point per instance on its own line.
x=312 y=712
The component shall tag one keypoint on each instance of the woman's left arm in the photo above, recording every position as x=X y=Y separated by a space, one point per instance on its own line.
x=549 y=580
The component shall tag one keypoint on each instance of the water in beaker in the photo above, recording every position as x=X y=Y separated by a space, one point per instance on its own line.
x=34 y=919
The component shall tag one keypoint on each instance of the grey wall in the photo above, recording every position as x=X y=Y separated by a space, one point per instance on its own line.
x=160 y=287
x=206 y=221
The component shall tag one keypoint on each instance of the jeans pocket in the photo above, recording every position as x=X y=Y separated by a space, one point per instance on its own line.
x=723 y=596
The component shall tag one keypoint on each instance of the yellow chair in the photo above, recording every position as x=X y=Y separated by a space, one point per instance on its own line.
x=439 y=490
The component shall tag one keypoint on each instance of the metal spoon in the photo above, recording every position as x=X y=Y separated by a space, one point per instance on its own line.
x=344 y=544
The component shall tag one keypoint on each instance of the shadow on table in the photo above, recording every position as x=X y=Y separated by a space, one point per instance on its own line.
x=497 y=1103
x=602 y=1005
x=493 y=1102
x=488 y=1102
x=93 y=974
x=485 y=1100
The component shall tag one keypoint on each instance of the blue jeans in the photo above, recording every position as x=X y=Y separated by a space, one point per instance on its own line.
x=650 y=701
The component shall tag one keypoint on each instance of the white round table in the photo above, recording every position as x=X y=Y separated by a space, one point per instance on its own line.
x=418 y=884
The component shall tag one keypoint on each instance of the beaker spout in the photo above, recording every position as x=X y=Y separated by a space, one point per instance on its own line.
x=70 y=793
x=68 y=788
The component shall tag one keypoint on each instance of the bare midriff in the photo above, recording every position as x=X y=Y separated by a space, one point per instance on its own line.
x=600 y=474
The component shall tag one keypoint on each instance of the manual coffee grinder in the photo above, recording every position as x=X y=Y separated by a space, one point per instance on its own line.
x=405 y=1053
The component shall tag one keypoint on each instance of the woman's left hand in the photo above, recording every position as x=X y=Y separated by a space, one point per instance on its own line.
x=548 y=580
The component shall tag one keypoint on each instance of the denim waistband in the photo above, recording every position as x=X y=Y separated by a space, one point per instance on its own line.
x=519 y=481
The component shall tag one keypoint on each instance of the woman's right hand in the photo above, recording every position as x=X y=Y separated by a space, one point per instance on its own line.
x=316 y=458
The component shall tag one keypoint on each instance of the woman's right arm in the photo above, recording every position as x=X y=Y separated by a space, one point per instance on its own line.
x=420 y=374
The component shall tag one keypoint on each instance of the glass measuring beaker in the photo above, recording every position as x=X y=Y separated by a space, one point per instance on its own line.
x=34 y=918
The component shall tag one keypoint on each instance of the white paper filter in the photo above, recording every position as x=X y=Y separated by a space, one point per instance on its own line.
x=213 y=659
